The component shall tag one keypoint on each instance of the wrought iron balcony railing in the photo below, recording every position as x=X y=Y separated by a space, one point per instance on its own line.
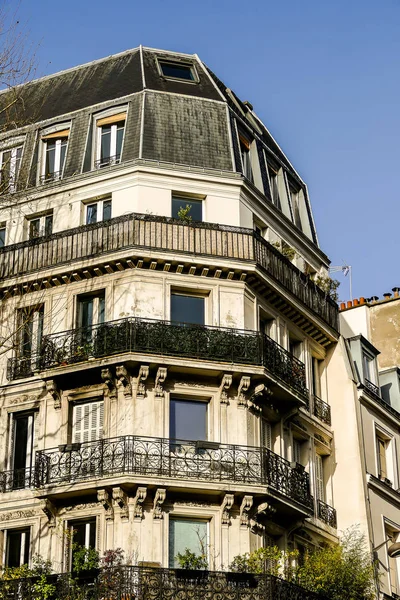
x=322 y=410
x=107 y=161
x=50 y=177
x=167 y=338
x=163 y=457
x=16 y=480
x=371 y=387
x=144 y=583
x=326 y=513
x=166 y=234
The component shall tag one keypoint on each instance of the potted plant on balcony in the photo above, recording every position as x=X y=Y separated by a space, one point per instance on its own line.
x=192 y=566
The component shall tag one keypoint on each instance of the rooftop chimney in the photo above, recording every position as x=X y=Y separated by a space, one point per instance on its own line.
x=387 y=295
x=396 y=291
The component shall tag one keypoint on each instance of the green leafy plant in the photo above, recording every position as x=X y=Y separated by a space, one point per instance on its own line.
x=270 y=560
x=343 y=571
x=284 y=248
x=84 y=559
x=183 y=213
x=328 y=285
x=191 y=560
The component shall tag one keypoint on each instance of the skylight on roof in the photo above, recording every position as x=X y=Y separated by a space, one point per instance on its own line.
x=175 y=70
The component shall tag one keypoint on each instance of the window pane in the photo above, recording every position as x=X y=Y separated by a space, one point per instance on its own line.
x=34 y=228
x=5 y=170
x=107 y=210
x=48 y=225
x=63 y=151
x=176 y=70
x=50 y=157
x=187 y=309
x=187 y=533
x=21 y=442
x=2 y=237
x=17 y=547
x=188 y=420
x=196 y=208
x=102 y=309
x=86 y=312
x=91 y=214
x=105 y=143
x=120 y=137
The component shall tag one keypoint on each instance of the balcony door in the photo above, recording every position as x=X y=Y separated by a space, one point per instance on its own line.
x=90 y=312
x=17 y=547
x=22 y=449
x=186 y=308
x=186 y=534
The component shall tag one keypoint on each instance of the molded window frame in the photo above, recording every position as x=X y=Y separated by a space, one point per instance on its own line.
x=178 y=62
x=59 y=134
x=112 y=117
x=100 y=204
x=15 y=146
x=40 y=224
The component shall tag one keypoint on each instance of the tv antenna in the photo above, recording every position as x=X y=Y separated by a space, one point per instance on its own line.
x=346 y=270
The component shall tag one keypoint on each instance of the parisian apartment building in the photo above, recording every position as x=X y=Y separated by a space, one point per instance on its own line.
x=171 y=373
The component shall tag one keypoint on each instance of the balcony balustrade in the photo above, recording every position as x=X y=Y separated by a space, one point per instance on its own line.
x=165 y=234
x=371 y=387
x=322 y=410
x=16 y=480
x=163 y=457
x=144 y=583
x=326 y=513
x=166 y=338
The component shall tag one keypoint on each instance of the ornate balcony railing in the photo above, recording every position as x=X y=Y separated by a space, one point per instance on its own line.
x=107 y=161
x=371 y=387
x=322 y=410
x=163 y=457
x=16 y=479
x=166 y=234
x=144 y=583
x=326 y=513
x=149 y=336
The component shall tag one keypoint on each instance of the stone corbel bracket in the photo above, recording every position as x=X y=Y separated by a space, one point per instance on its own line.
x=50 y=511
x=262 y=512
x=141 y=381
x=245 y=508
x=260 y=393
x=52 y=389
x=159 y=382
x=104 y=497
x=242 y=391
x=124 y=380
x=226 y=383
x=108 y=379
x=159 y=498
x=121 y=499
x=226 y=508
x=138 y=500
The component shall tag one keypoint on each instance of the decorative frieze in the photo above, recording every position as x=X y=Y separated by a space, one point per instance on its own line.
x=18 y=514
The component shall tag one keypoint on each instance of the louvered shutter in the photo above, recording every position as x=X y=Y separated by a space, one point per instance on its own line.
x=319 y=478
x=266 y=434
x=87 y=423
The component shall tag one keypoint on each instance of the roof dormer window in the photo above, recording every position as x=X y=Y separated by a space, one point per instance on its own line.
x=53 y=152
x=110 y=137
x=178 y=70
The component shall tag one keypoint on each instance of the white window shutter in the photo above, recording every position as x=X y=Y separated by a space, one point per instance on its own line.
x=319 y=478
x=266 y=434
x=88 y=420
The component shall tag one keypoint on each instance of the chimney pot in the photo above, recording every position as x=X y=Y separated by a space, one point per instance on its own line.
x=387 y=295
x=374 y=298
x=355 y=302
x=342 y=306
x=396 y=291
x=349 y=303
x=362 y=300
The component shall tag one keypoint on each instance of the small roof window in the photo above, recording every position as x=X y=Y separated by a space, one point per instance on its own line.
x=177 y=70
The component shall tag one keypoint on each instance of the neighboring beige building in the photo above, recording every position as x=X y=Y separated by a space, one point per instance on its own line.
x=370 y=328
x=164 y=379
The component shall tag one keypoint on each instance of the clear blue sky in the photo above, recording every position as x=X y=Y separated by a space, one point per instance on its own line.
x=323 y=76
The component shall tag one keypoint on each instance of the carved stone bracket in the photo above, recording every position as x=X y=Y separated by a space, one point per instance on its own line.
x=226 y=508
x=124 y=379
x=50 y=511
x=53 y=390
x=242 y=391
x=138 y=500
x=141 y=385
x=120 y=498
x=226 y=383
x=261 y=392
x=262 y=512
x=245 y=507
x=158 y=502
x=108 y=379
x=160 y=380
x=104 y=497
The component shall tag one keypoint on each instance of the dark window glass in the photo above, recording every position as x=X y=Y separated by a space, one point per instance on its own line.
x=107 y=210
x=63 y=151
x=31 y=330
x=176 y=70
x=187 y=309
x=105 y=144
x=34 y=228
x=50 y=157
x=188 y=420
x=91 y=214
x=84 y=535
x=196 y=208
x=17 y=553
x=86 y=312
x=48 y=225
x=120 y=137
x=2 y=237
